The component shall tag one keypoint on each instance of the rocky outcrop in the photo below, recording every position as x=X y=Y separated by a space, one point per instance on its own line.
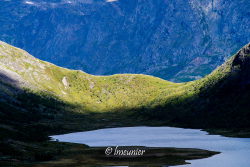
x=240 y=66
x=242 y=58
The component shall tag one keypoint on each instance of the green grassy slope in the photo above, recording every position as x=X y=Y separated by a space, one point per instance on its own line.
x=92 y=93
x=88 y=93
x=220 y=100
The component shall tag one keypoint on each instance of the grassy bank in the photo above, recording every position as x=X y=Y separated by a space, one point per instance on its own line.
x=56 y=154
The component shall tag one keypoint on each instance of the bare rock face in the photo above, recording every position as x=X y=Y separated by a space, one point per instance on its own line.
x=242 y=58
x=241 y=67
x=65 y=82
x=176 y=40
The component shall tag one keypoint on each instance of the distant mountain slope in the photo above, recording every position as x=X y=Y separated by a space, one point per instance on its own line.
x=174 y=40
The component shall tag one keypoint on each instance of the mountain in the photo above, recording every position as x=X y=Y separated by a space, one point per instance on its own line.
x=219 y=100
x=174 y=40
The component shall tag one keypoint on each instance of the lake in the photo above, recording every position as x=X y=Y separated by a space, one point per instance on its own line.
x=235 y=152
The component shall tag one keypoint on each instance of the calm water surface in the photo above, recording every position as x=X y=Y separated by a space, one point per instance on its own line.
x=235 y=152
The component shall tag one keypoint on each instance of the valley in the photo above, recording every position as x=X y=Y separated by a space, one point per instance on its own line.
x=39 y=99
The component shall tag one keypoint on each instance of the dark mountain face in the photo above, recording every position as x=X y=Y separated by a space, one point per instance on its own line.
x=177 y=40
